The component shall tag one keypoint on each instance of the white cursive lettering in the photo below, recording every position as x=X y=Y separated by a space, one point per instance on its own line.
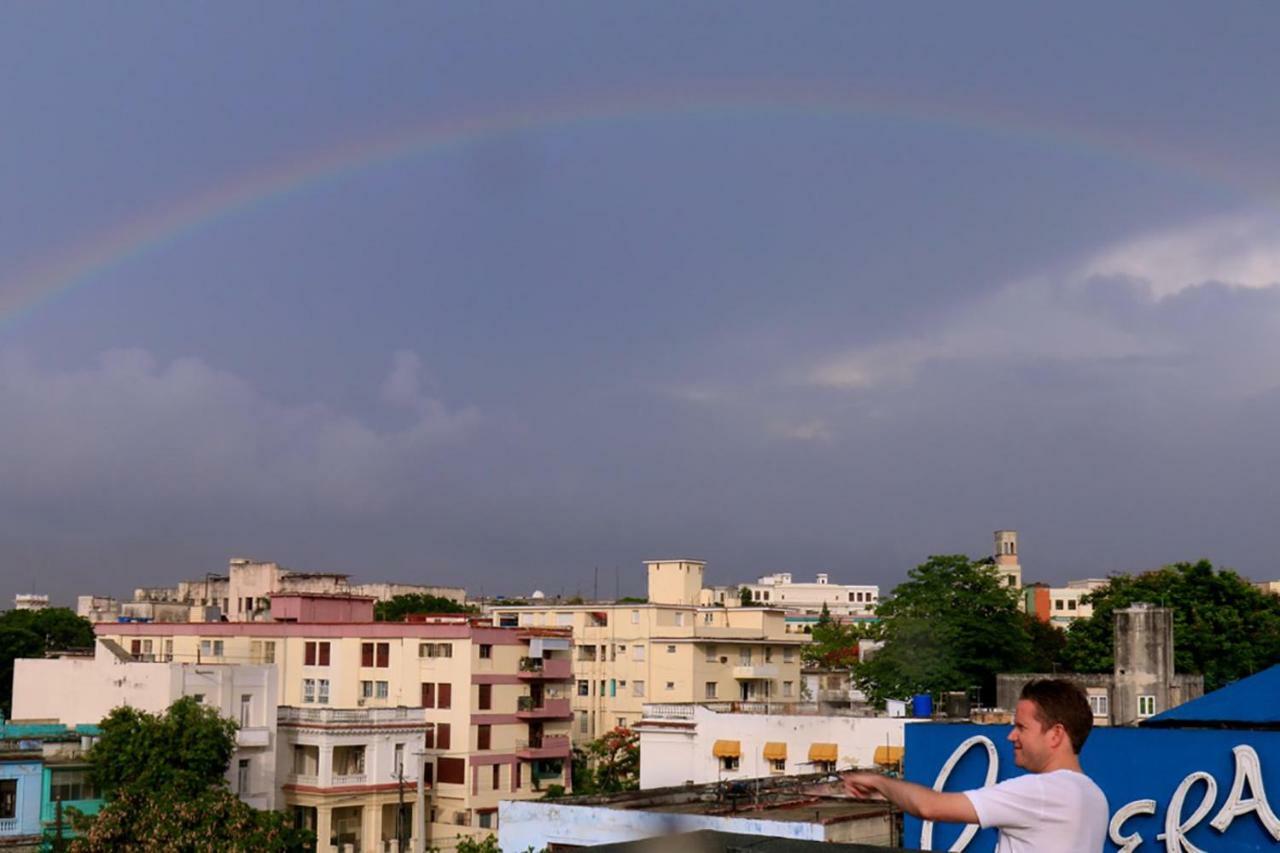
x=1175 y=828
x=1248 y=769
x=1128 y=843
x=993 y=768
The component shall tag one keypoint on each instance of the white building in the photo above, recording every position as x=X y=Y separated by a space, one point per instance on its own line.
x=97 y=608
x=30 y=601
x=712 y=742
x=782 y=591
x=75 y=690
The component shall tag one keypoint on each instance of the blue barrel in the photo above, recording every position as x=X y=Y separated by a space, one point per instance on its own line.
x=922 y=706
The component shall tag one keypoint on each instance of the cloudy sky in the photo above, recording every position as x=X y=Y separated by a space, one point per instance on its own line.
x=497 y=294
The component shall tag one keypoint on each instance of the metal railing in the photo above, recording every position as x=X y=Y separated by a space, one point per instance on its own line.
x=291 y=714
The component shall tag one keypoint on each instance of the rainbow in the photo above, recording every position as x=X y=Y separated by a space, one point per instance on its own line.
x=81 y=262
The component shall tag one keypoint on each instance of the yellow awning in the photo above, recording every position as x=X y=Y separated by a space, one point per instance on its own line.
x=823 y=752
x=889 y=754
x=727 y=749
x=775 y=751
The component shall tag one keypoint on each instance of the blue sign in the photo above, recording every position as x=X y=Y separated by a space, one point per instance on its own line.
x=1176 y=790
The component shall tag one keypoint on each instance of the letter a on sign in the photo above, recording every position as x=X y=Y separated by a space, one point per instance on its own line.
x=1248 y=768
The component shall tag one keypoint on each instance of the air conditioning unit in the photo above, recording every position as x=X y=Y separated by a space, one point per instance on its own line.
x=724 y=659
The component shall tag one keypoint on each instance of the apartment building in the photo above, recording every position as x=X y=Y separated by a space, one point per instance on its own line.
x=482 y=712
x=1061 y=605
x=780 y=590
x=668 y=649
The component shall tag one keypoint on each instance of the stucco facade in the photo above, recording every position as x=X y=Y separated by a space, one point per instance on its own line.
x=780 y=590
x=627 y=655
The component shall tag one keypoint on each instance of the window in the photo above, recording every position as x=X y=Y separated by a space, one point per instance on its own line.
x=269 y=651
x=637 y=652
x=199 y=697
x=744 y=656
x=788 y=687
x=442 y=735
x=451 y=771
x=671 y=650
x=71 y=785
x=483 y=735
x=1071 y=604
x=711 y=653
x=428 y=695
x=435 y=650
x=211 y=647
x=485 y=700
x=679 y=618
x=315 y=654
x=1059 y=604
x=1146 y=705
x=622 y=722
x=366 y=690
x=308 y=690
x=485 y=818
x=584 y=723
x=788 y=654
x=496 y=780
x=768 y=654
x=246 y=707
x=444 y=697
x=637 y=688
x=584 y=688
x=242 y=776
x=709 y=617
x=380 y=690
x=398 y=761
x=1100 y=705
x=729 y=762
x=486 y=651
x=671 y=685
x=635 y=617
x=8 y=799
x=711 y=690
x=778 y=765
x=851 y=597
x=375 y=654
x=322 y=692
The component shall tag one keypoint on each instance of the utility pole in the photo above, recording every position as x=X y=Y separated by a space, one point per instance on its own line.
x=400 y=827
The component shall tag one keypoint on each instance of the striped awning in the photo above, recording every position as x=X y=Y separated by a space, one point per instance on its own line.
x=727 y=749
x=889 y=755
x=823 y=752
x=775 y=751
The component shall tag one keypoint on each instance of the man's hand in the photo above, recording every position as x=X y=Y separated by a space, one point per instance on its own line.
x=915 y=799
x=864 y=786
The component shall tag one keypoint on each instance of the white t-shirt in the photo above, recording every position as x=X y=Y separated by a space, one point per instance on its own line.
x=1057 y=812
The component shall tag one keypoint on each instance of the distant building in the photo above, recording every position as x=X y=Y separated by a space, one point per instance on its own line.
x=1269 y=587
x=30 y=601
x=809 y=808
x=1061 y=605
x=667 y=649
x=41 y=763
x=97 y=608
x=780 y=590
x=1143 y=682
x=244 y=593
x=1006 y=558
x=708 y=742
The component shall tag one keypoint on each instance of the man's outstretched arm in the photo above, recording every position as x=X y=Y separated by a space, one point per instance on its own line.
x=914 y=799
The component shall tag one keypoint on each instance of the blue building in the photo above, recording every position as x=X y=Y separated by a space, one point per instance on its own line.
x=40 y=766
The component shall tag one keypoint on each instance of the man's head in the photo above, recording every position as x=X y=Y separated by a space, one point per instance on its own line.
x=1051 y=724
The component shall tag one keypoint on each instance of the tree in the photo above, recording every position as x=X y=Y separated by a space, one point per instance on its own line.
x=835 y=645
x=1223 y=626
x=33 y=634
x=400 y=606
x=162 y=777
x=744 y=597
x=951 y=626
x=608 y=764
x=467 y=844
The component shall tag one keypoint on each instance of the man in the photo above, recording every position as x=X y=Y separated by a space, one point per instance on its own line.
x=1054 y=808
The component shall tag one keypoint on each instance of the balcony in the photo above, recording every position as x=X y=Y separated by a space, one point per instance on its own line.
x=553 y=669
x=548 y=746
x=550 y=709
x=254 y=736
x=745 y=672
x=9 y=826
x=335 y=716
x=343 y=779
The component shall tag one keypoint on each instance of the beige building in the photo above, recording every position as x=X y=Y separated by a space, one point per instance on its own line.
x=1006 y=558
x=244 y=593
x=485 y=709
x=669 y=649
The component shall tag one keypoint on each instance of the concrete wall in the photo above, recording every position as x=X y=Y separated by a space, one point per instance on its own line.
x=673 y=754
x=524 y=825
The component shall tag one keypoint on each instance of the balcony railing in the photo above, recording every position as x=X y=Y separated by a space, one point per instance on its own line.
x=547 y=709
x=341 y=779
x=9 y=826
x=550 y=668
x=759 y=670
x=547 y=746
x=292 y=714
x=253 y=736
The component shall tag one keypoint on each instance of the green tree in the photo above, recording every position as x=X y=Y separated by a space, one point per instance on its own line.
x=33 y=634
x=744 y=597
x=835 y=645
x=162 y=777
x=952 y=625
x=400 y=606
x=1224 y=627
x=489 y=844
x=1048 y=646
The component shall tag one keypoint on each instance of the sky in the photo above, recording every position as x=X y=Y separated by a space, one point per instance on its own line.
x=516 y=296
